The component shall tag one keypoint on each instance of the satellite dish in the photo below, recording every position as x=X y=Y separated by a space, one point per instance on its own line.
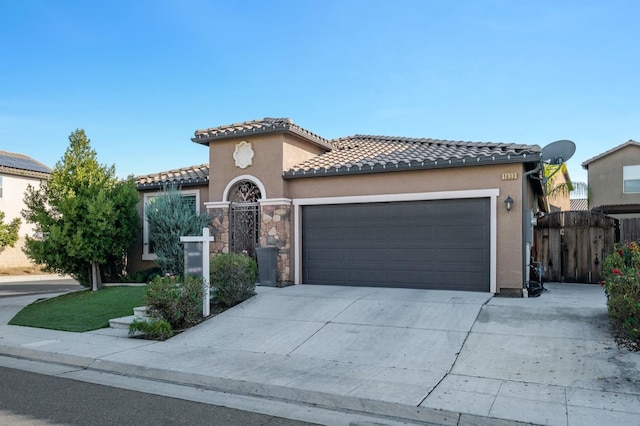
x=558 y=152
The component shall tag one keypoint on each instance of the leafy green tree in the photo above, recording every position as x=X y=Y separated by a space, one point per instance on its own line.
x=84 y=215
x=8 y=232
x=170 y=216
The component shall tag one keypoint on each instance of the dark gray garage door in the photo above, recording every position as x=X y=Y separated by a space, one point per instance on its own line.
x=443 y=244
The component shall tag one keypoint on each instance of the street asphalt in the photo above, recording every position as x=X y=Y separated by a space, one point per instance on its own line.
x=353 y=355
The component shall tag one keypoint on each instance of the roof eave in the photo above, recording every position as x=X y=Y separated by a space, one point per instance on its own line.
x=24 y=173
x=162 y=184
x=630 y=142
x=205 y=140
x=414 y=165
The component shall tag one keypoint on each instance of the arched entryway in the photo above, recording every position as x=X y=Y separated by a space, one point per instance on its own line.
x=244 y=220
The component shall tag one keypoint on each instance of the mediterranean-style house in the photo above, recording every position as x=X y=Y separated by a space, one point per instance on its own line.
x=365 y=210
x=17 y=172
x=614 y=185
x=194 y=187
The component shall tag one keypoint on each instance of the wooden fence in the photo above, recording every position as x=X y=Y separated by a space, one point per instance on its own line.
x=629 y=230
x=571 y=245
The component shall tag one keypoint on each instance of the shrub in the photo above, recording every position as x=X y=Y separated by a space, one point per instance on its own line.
x=621 y=270
x=233 y=276
x=170 y=216
x=176 y=300
x=143 y=276
x=156 y=329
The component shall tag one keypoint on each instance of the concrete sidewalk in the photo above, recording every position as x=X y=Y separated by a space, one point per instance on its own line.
x=399 y=355
x=33 y=278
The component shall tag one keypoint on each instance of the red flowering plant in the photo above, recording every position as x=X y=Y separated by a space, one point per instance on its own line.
x=621 y=270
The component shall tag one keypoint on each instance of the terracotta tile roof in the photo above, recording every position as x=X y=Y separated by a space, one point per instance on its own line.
x=371 y=154
x=186 y=176
x=264 y=125
x=23 y=165
x=630 y=142
x=576 y=204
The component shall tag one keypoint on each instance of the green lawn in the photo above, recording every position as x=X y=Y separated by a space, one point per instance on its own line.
x=82 y=310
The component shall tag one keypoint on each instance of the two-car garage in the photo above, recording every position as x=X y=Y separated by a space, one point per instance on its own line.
x=429 y=244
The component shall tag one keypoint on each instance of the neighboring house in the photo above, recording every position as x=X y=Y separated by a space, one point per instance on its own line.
x=614 y=184
x=193 y=183
x=558 y=189
x=17 y=172
x=375 y=210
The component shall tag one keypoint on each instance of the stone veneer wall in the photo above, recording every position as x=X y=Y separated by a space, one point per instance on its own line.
x=220 y=225
x=275 y=230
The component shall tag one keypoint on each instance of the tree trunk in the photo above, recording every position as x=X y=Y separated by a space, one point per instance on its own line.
x=95 y=276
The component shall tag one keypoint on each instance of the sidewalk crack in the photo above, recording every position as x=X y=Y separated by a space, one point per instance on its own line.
x=457 y=355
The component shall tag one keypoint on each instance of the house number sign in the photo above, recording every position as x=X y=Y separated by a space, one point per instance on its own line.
x=509 y=176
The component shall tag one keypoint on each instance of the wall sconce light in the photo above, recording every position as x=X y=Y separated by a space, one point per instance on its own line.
x=508 y=203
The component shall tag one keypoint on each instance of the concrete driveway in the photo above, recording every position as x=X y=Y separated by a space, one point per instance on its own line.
x=386 y=344
x=440 y=357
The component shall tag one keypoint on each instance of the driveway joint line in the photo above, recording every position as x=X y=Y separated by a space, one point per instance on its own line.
x=323 y=326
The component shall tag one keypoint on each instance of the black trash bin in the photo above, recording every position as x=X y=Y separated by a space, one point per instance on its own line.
x=267 y=271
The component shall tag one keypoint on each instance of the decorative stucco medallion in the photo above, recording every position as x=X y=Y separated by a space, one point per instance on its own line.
x=243 y=154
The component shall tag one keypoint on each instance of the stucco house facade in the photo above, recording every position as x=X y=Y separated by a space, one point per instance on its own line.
x=373 y=210
x=614 y=182
x=17 y=172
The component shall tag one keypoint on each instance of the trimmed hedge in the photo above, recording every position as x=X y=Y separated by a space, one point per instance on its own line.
x=176 y=300
x=233 y=276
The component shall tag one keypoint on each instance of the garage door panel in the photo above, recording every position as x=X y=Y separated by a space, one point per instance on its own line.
x=327 y=255
x=419 y=244
x=364 y=233
x=458 y=256
x=367 y=276
x=325 y=234
x=411 y=233
x=460 y=233
x=328 y=276
x=414 y=256
x=367 y=255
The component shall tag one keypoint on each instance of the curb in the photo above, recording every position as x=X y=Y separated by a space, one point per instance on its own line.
x=283 y=393
x=382 y=409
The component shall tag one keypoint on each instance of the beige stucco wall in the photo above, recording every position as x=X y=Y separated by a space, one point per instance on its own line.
x=605 y=177
x=135 y=262
x=11 y=203
x=273 y=153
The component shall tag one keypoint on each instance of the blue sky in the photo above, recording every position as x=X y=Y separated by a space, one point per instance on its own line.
x=141 y=76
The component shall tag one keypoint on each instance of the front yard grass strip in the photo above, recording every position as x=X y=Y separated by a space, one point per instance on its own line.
x=82 y=310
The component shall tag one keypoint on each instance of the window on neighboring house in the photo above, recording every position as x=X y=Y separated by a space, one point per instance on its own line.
x=189 y=197
x=631 y=179
x=0 y=186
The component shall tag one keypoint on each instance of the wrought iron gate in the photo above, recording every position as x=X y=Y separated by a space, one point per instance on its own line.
x=244 y=228
x=244 y=233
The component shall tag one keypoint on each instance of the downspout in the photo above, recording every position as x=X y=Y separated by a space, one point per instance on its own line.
x=526 y=245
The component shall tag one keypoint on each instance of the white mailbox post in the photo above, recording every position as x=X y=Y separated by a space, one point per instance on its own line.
x=204 y=241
